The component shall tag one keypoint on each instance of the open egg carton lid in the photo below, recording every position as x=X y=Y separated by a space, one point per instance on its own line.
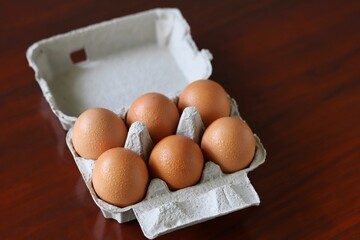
x=109 y=65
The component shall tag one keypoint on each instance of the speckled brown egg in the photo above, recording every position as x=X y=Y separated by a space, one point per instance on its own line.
x=177 y=160
x=97 y=130
x=120 y=177
x=230 y=143
x=209 y=97
x=159 y=114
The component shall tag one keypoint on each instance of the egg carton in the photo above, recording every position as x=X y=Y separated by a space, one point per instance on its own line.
x=110 y=64
x=163 y=210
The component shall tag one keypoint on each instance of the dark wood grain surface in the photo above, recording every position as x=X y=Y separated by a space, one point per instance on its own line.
x=292 y=66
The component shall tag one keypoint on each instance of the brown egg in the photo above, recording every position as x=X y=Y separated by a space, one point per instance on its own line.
x=177 y=160
x=208 y=97
x=230 y=143
x=159 y=114
x=120 y=177
x=97 y=130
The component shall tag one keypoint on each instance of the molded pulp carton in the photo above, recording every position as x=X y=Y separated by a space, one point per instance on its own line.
x=109 y=65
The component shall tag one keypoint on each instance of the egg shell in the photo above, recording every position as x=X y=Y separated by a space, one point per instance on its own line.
x=159 y=114
x=120 y=177
x=209 y=98
x=177 y=160
x=97 y=130
x=230 y=143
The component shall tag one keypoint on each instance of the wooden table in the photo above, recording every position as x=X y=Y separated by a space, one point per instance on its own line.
x=292 y=66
